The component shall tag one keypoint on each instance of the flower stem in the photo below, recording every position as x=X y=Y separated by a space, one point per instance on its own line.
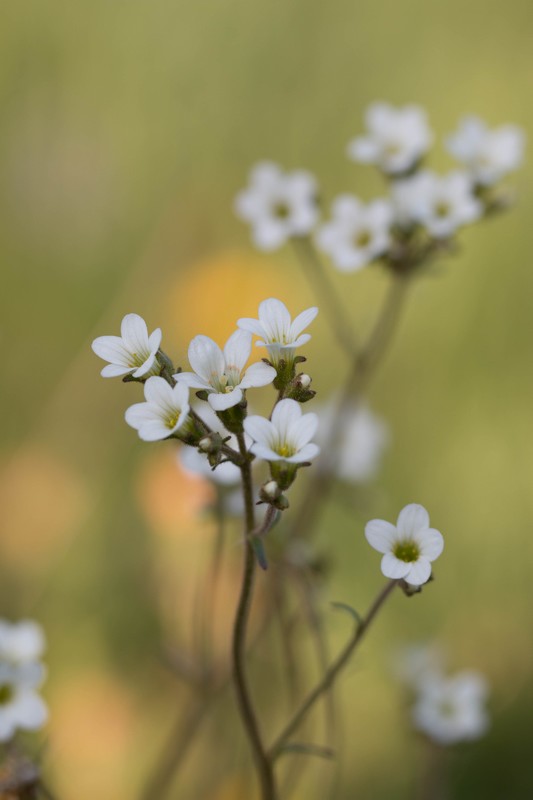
x=332 y=673
x=263 y=763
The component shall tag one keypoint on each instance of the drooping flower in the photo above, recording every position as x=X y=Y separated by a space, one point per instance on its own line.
x=222 y=374
x=278 y=205
x=357 y=233
x=452 y=709
x=397 y=138
x=133 y=352
x=409 y=547
x=286 y=437
x=440 y=203
x=165 y=411
x=487 y=154
x=278 y=333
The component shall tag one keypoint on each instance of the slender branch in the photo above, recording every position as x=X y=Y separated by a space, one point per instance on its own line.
x=317 y=276
x=263 y=763
x=332 y=673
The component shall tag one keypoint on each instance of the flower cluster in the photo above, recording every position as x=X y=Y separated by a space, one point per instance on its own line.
x=21 y=675
x=423 y=209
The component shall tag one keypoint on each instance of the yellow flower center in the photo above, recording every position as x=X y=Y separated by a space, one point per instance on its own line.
x=442 y=209
x=6 y=693
x=281 y=210
x=173 y=420
x=363 y=238
x=285 y=450
x=407 y=551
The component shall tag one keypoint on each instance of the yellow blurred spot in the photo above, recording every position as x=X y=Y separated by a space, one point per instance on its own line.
x=43 y=501
x=233 y=789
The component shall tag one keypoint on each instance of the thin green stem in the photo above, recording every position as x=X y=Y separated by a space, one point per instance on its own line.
x=262 y=761
x=330 y=676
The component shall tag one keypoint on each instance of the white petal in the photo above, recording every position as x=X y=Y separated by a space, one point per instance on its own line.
x=392 y=567
x=159 y=392
x=251 y=325
x=193 y=380
x=275 y=318
x=380 y=535
x=29 y=711
x=154 y=339
x=155 y=431
x=259 y=374
x=26 y=641
x=431 y=543
x=7 y=724
x=111 y=348
x=303 y=430
x=145 y=367
x=412 y=518
x=206 y=358
x=237 y=350
x=265 y=453
x=135 y=333
x=114 y=371
x=269 y=234
x=419 y=572
x=180 y=395
x=221 y=401
x=301 y=322
x=139 y=414
x=285 y=414
x=303 y=339
x=363 y=149
x=307 y=453
x=260 y=430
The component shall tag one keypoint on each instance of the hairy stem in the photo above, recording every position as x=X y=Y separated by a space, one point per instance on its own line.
x=330 y=676
x=262 y=761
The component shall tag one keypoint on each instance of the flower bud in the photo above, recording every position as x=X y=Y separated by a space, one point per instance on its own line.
x=271 y=490
x=304 y=380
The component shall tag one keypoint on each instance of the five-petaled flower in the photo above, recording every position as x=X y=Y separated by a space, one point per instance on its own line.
x=165 y=411
x=278 y=205
x=133 y=353
x=487 y=154
x=222 y=374
x=286 y=437
x=409 y=547
x=451 y=709
x=357 y=233
x=278 y=333
x=397 y=138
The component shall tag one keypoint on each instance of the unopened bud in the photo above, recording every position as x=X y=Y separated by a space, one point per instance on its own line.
x=271 y=490
x=304 y=380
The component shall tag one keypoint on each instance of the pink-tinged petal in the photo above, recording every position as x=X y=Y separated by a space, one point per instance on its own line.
x=412 y=518
x=114 y=371
x=158 y=392
x=286 y=413
x=307 y=453
x=135 y=333
x=251 y=325
x=260 y=430
x=237 y=350
x=206 y=358
x=111 y=348
x=392 y=567
x=259 y=374
x=380 y=535
x=146 y=367
x=220 y=402
x=419 y=572
x=431 y=543
x=192 y=380
x=274 y=318
x=302 y=321
x=303 y=430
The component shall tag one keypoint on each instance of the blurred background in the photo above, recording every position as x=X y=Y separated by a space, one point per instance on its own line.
x=126 y=129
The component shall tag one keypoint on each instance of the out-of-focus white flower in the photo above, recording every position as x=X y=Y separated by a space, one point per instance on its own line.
x=397 y=138
x=487 y=154
x=287 y=437
x=409 y=547
x=418 y=663
x=278 y=333
x=21 y=642
x=452 y=709
x=357 y=233
x=225 y=474
x=440 y=203
x=221 y=373
x=165 y=411
x=132 y=353
x=362 y=439
x=278 y=205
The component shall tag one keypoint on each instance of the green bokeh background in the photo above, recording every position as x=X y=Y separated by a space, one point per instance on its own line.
x=126 y=128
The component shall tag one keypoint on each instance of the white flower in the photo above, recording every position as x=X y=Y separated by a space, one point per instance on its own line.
x=361 y=441
x=225 y=474
x=357 y=233
x=418 y=663
x=278 y=333
x=440 y=203
x=278 y=205
x=134 y=352
x=397 y=138
x=410 y=198
x=452 y=709
x=21 y=642
x=165 y=411
x=409 y=547
x=222 y=373
x=487 y=154
x=20 y=704
x=287 y=437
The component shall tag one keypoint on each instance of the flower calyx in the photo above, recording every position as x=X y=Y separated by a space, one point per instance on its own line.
x=272 y=495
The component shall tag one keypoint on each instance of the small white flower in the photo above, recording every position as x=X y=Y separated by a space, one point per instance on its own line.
x=20 y=704
x=287 y=437
x=452 y=709
x=409 y=547
x=397 y=138
x=440 y=203
x=278 y=205
x=410 y=198
x=487 y=154
x=278 y=333
x=225 y=474
x=357 y=233
x=134 y=352
x=165 y=411
x=21 y=642
x=222 y=373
